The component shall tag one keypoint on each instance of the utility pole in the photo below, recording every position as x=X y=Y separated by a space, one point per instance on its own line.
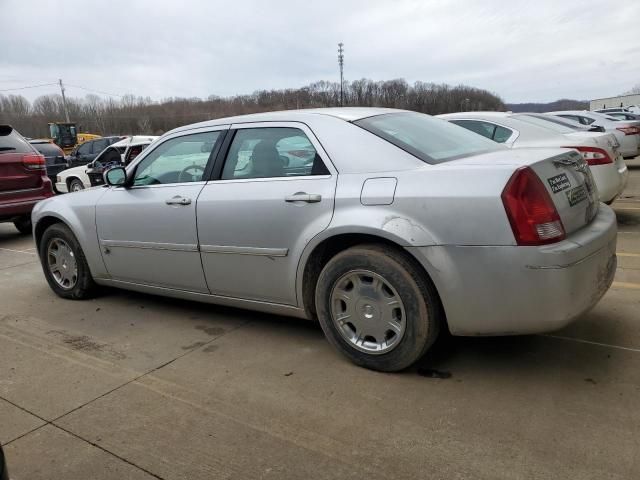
x=341 y=64
x=64 y=100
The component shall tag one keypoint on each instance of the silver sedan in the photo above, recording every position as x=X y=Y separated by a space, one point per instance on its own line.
x=386 y=226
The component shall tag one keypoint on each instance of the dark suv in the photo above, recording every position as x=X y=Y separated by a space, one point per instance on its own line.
x=23 y=179
x=88 y=151
x=53 y=158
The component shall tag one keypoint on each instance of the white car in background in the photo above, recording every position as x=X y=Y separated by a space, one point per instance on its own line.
x=520 y=130
x=79 y=178
x=627 y=132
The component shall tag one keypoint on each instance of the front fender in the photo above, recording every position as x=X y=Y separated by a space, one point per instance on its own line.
x=77 y=211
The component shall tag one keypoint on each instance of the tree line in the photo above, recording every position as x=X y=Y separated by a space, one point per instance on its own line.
x=138 y=115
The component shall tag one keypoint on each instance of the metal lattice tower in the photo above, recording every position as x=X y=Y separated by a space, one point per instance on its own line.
x=341 y=64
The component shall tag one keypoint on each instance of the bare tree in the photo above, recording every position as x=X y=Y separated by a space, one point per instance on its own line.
x=133 y=115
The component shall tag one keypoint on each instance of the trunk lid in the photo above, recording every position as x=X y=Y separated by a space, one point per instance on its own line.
x=606 y=141
x=564 y=174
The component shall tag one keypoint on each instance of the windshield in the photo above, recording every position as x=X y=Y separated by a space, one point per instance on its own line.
x=549 y=123
x=430 y=139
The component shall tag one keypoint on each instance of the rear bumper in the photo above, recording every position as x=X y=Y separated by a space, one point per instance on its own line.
x=15 y=204
x=508 y=290
x=610 y=180
x=629 y=146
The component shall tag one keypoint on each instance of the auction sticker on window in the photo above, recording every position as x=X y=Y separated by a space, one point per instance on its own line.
x=559 y=183
x=576 y=195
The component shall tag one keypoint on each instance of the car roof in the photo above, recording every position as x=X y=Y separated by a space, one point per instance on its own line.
x=135 y=140
x=305 y=115
x=477 y=114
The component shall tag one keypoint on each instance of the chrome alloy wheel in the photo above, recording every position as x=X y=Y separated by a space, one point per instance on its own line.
x=62 y=263
x=368 y=312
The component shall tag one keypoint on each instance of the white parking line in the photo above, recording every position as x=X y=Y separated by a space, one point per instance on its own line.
x=589 y=342
x=17 y=251
x=633 y=286
x=623 y=254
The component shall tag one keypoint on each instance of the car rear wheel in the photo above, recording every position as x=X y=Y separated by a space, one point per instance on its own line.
x=75 y=185
x=377 y=308
x=64 y=263
x=23 y=224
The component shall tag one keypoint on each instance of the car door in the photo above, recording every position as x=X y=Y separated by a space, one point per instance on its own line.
x=273 y=192
x=147 y=231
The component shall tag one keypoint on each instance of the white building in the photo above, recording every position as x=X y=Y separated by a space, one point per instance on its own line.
x=612 y=102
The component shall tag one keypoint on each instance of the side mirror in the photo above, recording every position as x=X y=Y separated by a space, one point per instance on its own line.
x=116 y=177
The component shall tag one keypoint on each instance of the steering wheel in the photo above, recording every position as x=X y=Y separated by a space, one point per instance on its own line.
x=197 y=170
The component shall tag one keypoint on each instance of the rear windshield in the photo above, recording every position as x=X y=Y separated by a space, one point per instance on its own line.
x=12 y=142
x=430 y=139
x=48 y=149
x=550 y=123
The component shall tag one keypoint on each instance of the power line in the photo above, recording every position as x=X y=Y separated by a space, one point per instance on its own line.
x=29 y=86
x=57 y=83
x=94 y=90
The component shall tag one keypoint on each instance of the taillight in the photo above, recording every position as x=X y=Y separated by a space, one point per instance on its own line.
x=594 y=156
x=629 y=130
x=531 y=212
x=33 y=161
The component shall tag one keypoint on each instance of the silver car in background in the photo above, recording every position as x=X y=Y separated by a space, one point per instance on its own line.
x=386 y=226
x=524 y=130
x=627 y=132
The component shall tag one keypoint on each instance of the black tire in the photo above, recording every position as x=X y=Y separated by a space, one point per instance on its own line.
x=84 y=286
x=75 y=185
x=23 y=224
x=423 y=310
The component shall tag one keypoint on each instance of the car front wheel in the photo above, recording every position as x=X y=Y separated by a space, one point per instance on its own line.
x=377 y=307
x=76 y=185
x=64 y=263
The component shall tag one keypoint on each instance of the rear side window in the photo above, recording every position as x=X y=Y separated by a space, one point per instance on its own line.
x=432 y=140
x=12 y=142
x=271 y=152
x=481 y=128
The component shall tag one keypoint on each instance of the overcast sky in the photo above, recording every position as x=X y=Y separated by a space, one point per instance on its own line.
x=530 y=50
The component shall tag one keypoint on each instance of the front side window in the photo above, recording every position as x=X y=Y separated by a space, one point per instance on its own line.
x=100 y=145
x=432 y=140
x=271 y=152
x=178 y=160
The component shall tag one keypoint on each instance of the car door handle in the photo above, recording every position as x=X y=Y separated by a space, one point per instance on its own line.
x=303 y=197
x=178 y=200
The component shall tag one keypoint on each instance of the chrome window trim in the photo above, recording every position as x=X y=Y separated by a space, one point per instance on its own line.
x=270 y=179
x=161 y=185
